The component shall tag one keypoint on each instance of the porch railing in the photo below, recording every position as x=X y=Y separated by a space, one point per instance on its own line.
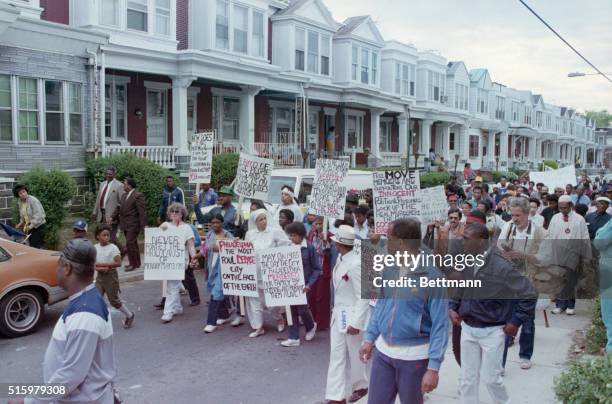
x=226 y=147
x=162 y=155
x=283 y=154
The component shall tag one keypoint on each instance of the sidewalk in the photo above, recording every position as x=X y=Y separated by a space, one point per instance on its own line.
x=132 y=276
x=533 y=386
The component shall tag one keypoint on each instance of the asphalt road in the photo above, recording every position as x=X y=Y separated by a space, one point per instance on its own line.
x=178 y=363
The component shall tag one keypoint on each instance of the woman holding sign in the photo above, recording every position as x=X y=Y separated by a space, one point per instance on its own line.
x=176 y=214
x=264 y=236
x=210 y=250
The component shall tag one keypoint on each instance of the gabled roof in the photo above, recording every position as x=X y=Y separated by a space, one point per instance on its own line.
x=477 y=74
x=537 y=98
x=308 y=9
x=454 y=67
x=357 y=25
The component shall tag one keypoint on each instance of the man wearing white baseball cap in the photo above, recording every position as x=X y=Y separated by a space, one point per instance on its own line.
x=349 y=317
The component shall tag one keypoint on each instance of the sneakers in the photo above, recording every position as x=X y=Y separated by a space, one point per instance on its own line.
x=257 y=333
x=557 y=310
x=210 y=328
x=525 y=364
x=177 y=312
x=183 y=292
x=291 y=342
x=221 y=321
x=311 y=334
x=128 y=321
x=280 y=325
x=237 y=321
x=570 y=312
x=166 y=318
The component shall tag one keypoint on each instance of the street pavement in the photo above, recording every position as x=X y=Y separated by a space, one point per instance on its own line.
x=177 y=363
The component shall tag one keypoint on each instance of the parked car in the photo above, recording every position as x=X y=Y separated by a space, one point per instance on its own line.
x=27 y=283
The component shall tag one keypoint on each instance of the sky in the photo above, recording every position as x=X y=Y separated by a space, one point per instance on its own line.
x=504 y=37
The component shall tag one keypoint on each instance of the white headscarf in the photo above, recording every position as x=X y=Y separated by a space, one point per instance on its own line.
x=255 y=215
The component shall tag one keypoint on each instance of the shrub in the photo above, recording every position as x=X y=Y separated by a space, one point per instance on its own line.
x=586 y=381
x=596 y=337
x=550 y=163
x=54 y=188
x=150 y=177
x=224 y=169
x=433 y=179
x=508 y=174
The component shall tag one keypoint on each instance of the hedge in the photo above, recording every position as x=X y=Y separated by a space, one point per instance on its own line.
x=596 y=337
x=550 y=163
x=224 y=169
x=150 y=177
x=508 y=174
x=54 y=188
x=588 y=381
x=433 y=179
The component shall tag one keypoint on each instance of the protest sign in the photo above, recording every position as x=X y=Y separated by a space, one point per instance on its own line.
x=433 y=205
x=253 y=177
x=200 y=166
x=555 y=178
x=164 y=255
x=328 y=195
x=282 y=274
x=396 y=195
x=238 y=268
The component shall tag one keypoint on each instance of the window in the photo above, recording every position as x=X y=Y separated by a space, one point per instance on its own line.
x=162 y=17
x=539 y=119
x=374 y=67
x=109 y=12
x=436 y=83
x=258 y=34
x=325 y=53
x=54 y=116
x=500 y=110
x=354 y=63
x=226 y=118
x=451 y=141
x=365 y=66
x=461 y=97
x=137 y=15
x=300 y=48
x=75 y=110
x=482 y=102
x=527 y=117
x=354 y=132
x=28 y=110
x=412 y=79
x=222 y=25
x=115 y=111
x=6 y=120
x=474 y=146
x=313 y=52
x=241 y=28
x=385 y=136
x=515 y=111
x=398 y=78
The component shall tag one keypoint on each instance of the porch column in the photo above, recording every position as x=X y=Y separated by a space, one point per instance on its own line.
x=446 y=143
x=464 y=141
x=491 y=148
x=503 y=148
x=247 y=118
x=402 y=121
x=375 y=114
x=180 y=134
x=425 y=137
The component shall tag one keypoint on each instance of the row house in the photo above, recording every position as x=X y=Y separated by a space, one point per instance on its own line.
x=279 y=79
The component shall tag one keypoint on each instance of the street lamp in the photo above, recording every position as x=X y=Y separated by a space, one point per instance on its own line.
x=580 y=74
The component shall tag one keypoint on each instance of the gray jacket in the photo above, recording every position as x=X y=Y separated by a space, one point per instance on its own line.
x=36 y=212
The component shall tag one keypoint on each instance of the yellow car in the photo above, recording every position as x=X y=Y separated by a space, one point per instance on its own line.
x=27 y=283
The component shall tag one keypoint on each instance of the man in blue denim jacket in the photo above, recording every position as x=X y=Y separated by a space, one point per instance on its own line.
x=409 y=326
x=171 y=193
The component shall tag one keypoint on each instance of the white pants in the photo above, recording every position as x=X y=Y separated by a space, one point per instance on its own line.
x=255 y=310
x=344 y=351
x=173 y=298
x=482 y=350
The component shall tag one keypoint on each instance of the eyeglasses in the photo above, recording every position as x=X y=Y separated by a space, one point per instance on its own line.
x=175 y=211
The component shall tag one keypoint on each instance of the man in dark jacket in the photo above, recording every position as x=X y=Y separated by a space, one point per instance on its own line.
x=132 y=220
x=170 y=194
x=487 y=314
x=225 y=209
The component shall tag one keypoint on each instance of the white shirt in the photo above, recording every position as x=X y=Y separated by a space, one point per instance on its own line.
x=537 y=219
x=106 y=253
x=361 y=231
x=402 y=352
x=575 y=228
x=186 y=233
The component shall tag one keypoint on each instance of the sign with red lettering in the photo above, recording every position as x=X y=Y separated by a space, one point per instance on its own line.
x=282 y=273
x=253 y=177
x=238 y=268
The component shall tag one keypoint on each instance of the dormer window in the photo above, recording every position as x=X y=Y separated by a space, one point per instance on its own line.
x=137 y=15
x=300 y=48
x=325 y=54
x=312 y=51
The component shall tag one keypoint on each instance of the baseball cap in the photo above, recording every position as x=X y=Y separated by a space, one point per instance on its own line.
x=80 y=225
x=80 y=251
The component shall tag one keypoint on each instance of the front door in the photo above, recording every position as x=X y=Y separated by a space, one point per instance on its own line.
x=156 y=118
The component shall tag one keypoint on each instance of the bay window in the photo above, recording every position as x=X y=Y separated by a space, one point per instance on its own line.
x=137 y=15
x=374 y=66
x=75 y=110
x=258 y=34
x=300 y=48
x=354 y=62
x=500 y=110
x=325 y=54
x=28 y=110
x=241 y=29
x=527 y=117
x=365 y=66
x=162 y=17
x=313 y=51
x=6 y=120
x=222 y=25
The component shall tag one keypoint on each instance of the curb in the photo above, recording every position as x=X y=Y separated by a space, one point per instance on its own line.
x=132 y=276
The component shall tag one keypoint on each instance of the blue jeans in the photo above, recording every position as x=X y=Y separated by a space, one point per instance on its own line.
x=304 y=313
x=526 y=341
x=392 y=376
x=213 y=311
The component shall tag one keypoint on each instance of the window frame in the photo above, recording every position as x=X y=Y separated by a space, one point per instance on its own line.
x=219 y=116
x=146 y=13
x=244 y=30
x=61 y=113
x=474 y=145
x=312 y=51
x=70 y=113
x=29 y=110
x=258 y=52
x=364 y=69
x=354 y=62
x=161 y=11
x=300 y=33
x=359 y=130
x=385 y=142
x=114 y=82
x=325 y=54
x=227 y=25
x=8 y=109
x=117 y=17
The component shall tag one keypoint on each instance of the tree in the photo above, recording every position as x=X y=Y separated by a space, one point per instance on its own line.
x=602 y=118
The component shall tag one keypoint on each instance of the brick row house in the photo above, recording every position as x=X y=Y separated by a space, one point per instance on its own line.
x=84 y=78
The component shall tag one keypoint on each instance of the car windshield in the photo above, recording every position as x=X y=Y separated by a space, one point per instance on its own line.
x=276 y=184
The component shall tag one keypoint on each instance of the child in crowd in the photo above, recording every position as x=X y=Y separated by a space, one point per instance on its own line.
x=108 y=259
x=312 y=269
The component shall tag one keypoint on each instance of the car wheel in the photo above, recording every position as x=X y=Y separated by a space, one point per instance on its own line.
x=20 y=312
